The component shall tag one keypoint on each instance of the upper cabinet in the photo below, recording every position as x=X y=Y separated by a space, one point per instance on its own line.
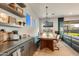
x=13 y=8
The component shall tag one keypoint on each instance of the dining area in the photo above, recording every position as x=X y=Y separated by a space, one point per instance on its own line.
x=49 y=39
x=53 y=46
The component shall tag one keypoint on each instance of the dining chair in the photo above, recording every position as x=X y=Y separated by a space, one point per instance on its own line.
x=56 y=41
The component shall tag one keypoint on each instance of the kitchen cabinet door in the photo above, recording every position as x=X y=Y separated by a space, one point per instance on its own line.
x=26 y=49
x=22 y=51
x=29 y=48
x=32 y=47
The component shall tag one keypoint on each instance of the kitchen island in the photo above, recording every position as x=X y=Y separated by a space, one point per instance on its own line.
x=25 y=45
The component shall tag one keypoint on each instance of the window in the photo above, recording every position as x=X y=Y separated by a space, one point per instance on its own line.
x=28 y=20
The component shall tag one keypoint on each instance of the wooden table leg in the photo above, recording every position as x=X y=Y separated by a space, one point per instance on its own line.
x=50 y=45
x=46 y=44
x=42 y=44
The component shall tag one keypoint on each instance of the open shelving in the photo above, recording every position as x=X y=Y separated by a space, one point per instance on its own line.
x=10 y=25
x=6 y=7
x=21 y=5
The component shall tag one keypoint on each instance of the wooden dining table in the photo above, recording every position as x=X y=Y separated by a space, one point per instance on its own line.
x=47 y=43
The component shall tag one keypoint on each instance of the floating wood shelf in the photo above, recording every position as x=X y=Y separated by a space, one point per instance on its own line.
x=6 y=7
x=10 y=25
x=21 y=5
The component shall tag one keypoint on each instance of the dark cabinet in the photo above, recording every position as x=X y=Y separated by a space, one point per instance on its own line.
x=29 y=48
x=22 y=50
x=26 y=49
x=32 y=47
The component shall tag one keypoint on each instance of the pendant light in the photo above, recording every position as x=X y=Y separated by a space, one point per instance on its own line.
x=46 y=22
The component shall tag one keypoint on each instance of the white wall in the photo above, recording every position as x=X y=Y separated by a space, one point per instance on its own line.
x=55 y=23
x=33 y=31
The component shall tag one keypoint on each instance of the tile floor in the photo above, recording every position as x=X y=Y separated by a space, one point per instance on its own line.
x=64 y=50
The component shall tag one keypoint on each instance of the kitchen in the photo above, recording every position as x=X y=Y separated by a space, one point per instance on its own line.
x=23 y=32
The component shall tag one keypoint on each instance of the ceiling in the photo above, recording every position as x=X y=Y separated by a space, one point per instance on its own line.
x=55 y=9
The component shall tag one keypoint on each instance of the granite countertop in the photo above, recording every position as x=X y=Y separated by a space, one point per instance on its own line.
x=8 y=45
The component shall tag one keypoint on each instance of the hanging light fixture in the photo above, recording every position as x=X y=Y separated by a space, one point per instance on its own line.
x=46 y=14
x=46 y=11
x=47 y=22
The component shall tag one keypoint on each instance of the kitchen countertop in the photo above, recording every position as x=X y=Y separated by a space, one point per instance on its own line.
x=8 y=45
